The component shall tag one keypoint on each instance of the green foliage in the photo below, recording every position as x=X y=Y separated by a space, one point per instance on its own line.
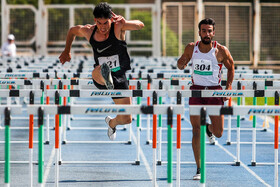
x=260 y=100
x=82 y=1
x=90 y=2
x=171 y=43
x=187 y=37
x=146 y=17
x=239 y=50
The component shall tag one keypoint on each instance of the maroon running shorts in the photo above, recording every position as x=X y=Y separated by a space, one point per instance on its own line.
x=206 y=100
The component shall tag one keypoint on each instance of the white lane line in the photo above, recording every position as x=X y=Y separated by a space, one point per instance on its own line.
x=143 y=157
x=243 y=165
x=48 y=167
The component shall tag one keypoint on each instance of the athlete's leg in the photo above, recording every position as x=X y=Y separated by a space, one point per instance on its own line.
x=121 y=119
x=217 y=126
x=96 y=75
x=195 y=121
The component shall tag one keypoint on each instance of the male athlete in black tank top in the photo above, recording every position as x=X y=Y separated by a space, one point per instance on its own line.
x=110 y=54
x=113 y=52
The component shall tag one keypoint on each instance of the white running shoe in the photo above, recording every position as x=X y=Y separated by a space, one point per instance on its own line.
x=210 y=135
x=197 y=176
x=106 y=74
x=111 y=131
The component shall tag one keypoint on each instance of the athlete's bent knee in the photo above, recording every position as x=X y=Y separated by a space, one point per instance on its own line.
x=218 y=134
x=127 y=119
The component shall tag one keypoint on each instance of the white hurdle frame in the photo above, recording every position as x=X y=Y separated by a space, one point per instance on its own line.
x=217 y=110
x=100 y=109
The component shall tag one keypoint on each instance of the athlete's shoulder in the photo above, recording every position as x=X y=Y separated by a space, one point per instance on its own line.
x=221 y=48
x=190 y=46
x=88 y=27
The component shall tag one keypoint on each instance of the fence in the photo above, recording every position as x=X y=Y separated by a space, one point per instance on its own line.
x=43 y=30
x=234 y=29
x=249 y=30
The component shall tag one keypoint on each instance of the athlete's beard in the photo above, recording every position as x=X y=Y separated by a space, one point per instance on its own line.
x=206 y=42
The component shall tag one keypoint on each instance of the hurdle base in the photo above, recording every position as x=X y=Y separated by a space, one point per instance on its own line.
x=253 y=163
x=264 y=130
x=137 y=162
x=228 y=143
x=128 y=143
x=147 y=142
x=237 y=163
x=64 y=142
x=68 y=128
x=47 y=142
x=159 y=163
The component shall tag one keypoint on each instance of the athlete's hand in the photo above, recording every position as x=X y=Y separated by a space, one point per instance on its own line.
x=226 y=98
x=65 y=57
x=118 y=19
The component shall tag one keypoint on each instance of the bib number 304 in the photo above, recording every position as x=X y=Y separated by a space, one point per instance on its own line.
x=202 y=67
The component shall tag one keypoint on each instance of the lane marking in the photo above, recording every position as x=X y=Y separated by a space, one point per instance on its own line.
x=48 y=167
x=244 y=166
x=142 y=155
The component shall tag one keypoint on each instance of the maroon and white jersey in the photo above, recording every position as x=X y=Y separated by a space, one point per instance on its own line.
x=206 y=70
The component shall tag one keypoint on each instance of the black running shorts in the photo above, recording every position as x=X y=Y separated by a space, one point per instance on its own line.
x=120 y=83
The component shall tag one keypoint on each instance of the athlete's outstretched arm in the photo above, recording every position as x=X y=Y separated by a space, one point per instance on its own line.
x=127 y=24
x=71 y=35
x=229 y=64
x=186 y=56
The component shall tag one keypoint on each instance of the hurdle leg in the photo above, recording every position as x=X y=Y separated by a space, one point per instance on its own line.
x=47 y=119
x=160 y=139
x=202 y=146
x=138 y=133
x=148 y=129
x=254 y=136
x=7 y=146
x=41 y=146
x=265 y=123
x=31 y=125
x=160 y=134
x=47 y=129
x=57 y=153
x=154 y=150
x=276 y=142
x=229 y=126
x=137 y=162
x=70 y=101
x=169 y=148
x=237 y=162
x=64 y=129
x=129 y=134
x=178 y=178
x=64 y=119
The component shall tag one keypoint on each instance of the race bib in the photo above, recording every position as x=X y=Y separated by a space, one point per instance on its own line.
x=202 y=67
x=112 y=61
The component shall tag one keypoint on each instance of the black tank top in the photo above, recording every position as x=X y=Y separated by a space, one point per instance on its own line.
x=111 y=51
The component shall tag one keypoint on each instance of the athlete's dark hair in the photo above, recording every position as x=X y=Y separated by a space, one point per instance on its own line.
x=103 y=10
x=207 y=21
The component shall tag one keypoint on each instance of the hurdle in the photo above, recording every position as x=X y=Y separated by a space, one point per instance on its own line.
x=7 y=111
x=237 y=110
x=101 y=109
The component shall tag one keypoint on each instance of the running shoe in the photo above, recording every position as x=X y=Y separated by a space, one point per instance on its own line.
x=111 y=131
x=106 y=74
x=210 y=135
x=197 y=176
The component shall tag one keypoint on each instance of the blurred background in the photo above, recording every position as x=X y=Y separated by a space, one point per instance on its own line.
x=250 y=29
